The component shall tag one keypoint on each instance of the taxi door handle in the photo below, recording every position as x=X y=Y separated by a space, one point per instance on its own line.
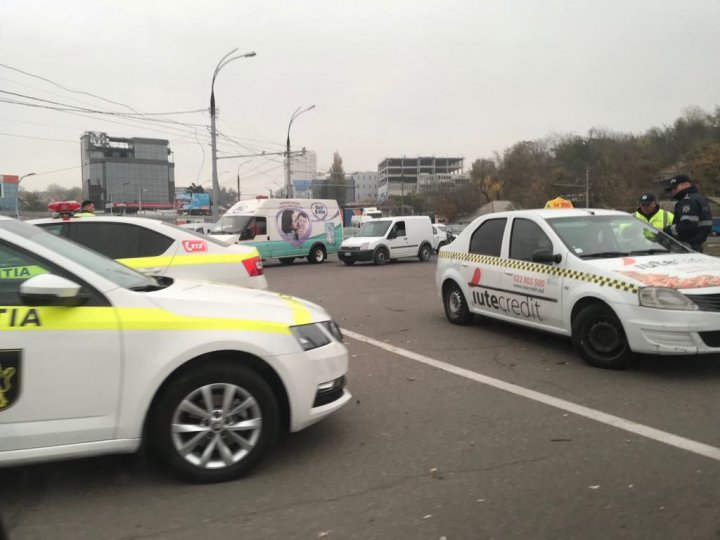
x=508 y=273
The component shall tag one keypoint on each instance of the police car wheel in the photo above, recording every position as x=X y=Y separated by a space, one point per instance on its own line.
x=286 y=260
x=456 y=307
x=381 y=257
x=317 y=255
x=424 y=254
x=213 y=423
x=599 y=338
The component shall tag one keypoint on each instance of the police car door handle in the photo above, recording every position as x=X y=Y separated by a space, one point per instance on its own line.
x=150 y=271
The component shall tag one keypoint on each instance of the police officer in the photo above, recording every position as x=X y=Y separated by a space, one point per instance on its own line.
x=650 y=212
x=87 y=209
x=693 y=222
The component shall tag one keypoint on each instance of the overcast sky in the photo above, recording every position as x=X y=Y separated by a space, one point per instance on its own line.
x=388 y=77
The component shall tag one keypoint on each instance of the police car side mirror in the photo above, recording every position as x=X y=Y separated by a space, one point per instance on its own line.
x=546 y=256
x=51 y=290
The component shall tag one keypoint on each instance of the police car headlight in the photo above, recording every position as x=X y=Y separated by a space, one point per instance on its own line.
x=310 y=336
x=334 y=329
x=664 y=298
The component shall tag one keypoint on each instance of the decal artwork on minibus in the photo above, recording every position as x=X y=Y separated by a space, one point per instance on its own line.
x=294 y=225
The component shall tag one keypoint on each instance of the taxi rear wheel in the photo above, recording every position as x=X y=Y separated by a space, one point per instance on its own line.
x=599 y=338
x=213 y=423
x=456 y=307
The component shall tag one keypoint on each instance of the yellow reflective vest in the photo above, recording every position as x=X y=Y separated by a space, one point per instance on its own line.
x=660 y=219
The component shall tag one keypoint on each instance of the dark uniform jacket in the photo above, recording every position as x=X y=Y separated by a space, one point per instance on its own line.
x=693 y=221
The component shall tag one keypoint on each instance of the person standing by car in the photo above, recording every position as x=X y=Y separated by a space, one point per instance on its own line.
x=650 y=212
x=693 y=221
x=87 y=209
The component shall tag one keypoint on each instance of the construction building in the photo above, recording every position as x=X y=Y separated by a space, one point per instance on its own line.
x=399 y=175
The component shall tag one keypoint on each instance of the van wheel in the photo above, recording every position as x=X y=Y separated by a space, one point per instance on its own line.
x=381 y=256
x=213 y=423
x=286 y=260
x=317 y=254
x=424 y=254
x=456 y=307
x=598 y=337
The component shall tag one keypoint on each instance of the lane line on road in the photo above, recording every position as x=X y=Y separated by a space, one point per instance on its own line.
x=658 y=435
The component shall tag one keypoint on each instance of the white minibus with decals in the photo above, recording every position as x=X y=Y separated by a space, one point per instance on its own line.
x=283 y=229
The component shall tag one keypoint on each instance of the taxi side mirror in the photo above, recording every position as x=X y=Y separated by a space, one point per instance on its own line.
x=546 y=256
x=51 y=290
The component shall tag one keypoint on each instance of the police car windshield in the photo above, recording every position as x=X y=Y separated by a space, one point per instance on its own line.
x=596 y=237
x=231 y=224
x=93 y=261
x=373 y=228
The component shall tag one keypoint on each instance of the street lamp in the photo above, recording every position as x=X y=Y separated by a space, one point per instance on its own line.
x=238 y=178
x=288 y=182
x=225 y=60
x=17 y=195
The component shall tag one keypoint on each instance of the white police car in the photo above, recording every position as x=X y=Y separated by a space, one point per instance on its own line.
x=96 y=358
x=611 y=282
x=157 y=248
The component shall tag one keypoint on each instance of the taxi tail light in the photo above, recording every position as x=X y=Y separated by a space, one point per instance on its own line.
x=254 y=266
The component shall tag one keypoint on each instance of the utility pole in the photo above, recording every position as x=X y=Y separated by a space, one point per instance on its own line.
x=288 y=176
x=213 y=143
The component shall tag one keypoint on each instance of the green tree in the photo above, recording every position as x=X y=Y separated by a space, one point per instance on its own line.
x=338 y=187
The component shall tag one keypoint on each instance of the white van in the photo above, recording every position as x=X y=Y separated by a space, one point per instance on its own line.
x=284 y=228
x=384 y=239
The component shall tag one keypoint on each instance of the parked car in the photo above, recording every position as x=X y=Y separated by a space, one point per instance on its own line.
x=161 y=249
x=383 y=239
x=440 y=236
x=96 y=358
x=611 y=282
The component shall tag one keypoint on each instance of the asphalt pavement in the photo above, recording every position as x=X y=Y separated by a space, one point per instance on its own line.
x=435 y=443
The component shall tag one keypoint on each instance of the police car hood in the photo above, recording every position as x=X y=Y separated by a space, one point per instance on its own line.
x=200 y=299
x=675 y=271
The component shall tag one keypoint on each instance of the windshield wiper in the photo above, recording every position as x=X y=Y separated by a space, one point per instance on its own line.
x=605 y=255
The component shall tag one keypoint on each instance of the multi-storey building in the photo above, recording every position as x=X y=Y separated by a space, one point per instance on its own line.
x=9 y=186
x=134 y=173
x=303 y=170
x=366 y=185
x=399 y=176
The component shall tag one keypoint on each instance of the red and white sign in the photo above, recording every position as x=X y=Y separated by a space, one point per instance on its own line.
x=194 y=246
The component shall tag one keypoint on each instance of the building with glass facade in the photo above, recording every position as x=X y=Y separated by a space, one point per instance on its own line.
x=133 y=174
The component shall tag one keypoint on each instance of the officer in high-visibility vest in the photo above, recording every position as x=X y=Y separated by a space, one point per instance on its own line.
x=87 y=209
x=650 y=212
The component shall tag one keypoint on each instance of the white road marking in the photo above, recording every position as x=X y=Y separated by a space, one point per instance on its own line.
x=658 y=435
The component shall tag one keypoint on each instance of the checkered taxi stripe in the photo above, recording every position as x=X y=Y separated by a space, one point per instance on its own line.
x=602 y=281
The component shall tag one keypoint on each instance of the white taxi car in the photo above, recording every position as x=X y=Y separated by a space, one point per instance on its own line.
x=611 y=282
x=95 y=358
x=157 y=248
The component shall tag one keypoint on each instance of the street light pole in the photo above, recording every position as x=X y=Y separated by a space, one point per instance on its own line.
x=225 y=60
x=17 y=194
x=288 y=178
x=238 y=178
